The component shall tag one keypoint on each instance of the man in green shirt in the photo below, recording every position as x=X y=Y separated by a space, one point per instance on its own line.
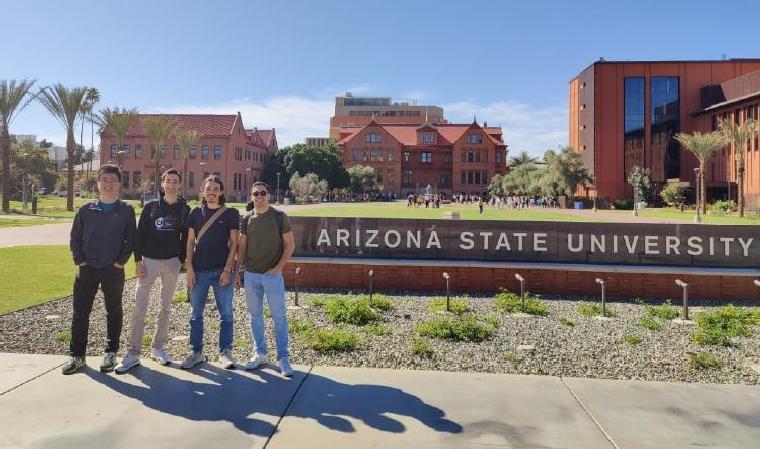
x=265 y=245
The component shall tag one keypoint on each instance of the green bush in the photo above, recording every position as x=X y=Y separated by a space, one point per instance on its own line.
x=673 y=194
x=379 y=302
x=376 y=329
x=420 y=346
x=147 y=340
x=332 y=340
x=64 y=336
x=355 y=311
x=179 y=297
x=458 y=306
x=461 y=328
x=509 y=302
x=566 y=322
x=592 y=309
x=665 y=311
x=623 y=204
x=632 y=339
x=650 y=323
x=511 y=357
x=703 y=360
x=300 y=325
x=720 y=326
x=242 y=344
x=721 y=207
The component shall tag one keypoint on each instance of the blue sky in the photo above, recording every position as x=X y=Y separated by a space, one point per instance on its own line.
x=282 y=63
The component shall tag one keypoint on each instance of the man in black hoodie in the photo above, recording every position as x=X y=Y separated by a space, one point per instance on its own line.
x=101 y=243
x=159 y=252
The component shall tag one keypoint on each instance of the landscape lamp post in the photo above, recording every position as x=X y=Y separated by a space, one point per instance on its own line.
x=685 y=287
x=448 y=291
x=602 y=283
x=521 y=280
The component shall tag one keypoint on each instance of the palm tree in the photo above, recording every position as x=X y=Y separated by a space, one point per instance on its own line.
x=187 y=139
x=740 y=136
x=115 y=121
x=14 y=97
x=521 y=159
x=703 y=146
x=66 y=106
x=91 y=99
x=158 y=128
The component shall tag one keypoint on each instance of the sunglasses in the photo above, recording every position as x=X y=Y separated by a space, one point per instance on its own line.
x=259 y=193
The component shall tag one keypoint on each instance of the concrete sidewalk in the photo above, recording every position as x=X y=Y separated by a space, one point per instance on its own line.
x=156 y=407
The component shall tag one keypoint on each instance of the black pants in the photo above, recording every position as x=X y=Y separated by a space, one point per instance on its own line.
x=111 y=281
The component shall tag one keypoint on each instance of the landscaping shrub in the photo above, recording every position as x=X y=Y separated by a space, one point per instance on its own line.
x=665 y=311
x=592 y=309
x=567 y=322
x=721 y=207
x=64 y=336
x=632 y=339
x=650 y=323
x=332 y=340
x=623 y=204
x=376 y=329
x=509 y=302
x=720 y=326
x=462 y=328
x=379 y=302
x=703 y=360
x=420 y=346
x=300 y=325
x=147 y=340
x=458 y=306
x=355 y=311
x=673 y=195
x=179 y=297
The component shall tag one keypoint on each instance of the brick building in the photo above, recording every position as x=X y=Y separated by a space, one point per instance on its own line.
x=225 y=148
x=451 y=158
x=626 y=113
x=351 y=111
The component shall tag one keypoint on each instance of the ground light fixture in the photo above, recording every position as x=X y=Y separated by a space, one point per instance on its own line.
x=298 y=273
x=371 y=275
x=603 y=284
x=447 y=278
x=685 y=287
x=521 y=280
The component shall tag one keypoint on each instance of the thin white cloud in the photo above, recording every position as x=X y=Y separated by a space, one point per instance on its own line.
x=526 y=128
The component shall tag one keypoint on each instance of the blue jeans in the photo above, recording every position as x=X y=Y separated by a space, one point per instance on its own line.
x=198 y=295
x=256 y=285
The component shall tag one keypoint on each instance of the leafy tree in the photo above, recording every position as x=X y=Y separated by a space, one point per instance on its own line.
x=673 y=194
x=363 y=179
x=307 y=187
x=66 y=105
x=639 y=178
x=31 y=167
x=522 y=180
x=564 y=171
x=703 y=145
x=323 y=161
x=276 y=164
x=495 y=187
x=522 y=159
x=740 y=136
x=14 y=97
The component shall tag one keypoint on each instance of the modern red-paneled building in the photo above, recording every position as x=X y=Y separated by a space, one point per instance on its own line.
x=626 y=113
x=451 y=158
x=225 y=148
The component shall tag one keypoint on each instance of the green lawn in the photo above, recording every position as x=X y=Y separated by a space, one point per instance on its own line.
x=688 y=215
x=9 y=222
x=398 y=209
x=51 y=206
x=31 y=275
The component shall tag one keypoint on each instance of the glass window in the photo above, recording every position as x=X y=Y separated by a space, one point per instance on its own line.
x=407 y=177
x=474 y=138
x=633 y=122
x=125 y=149
x=176 y=151
x=427 y=137
x=373 y=138
x=391 y=155
x=113 y=151
x=444 y=179
x=204 y=152
x=163 y=151
x=193 y=150
x=498 y=156
x=407 y=155
x=463 y=179
x=665 y=124
x=426 y=157
x=355 y=155
x=217 y=151
x=446 y=158
x=138 y=151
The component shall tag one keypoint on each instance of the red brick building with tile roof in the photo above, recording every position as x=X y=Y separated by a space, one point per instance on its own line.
x=225 y=148
x=451 y=158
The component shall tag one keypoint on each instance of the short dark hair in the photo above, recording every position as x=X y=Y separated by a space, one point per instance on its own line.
x=260 y=184
x=171 y=171
x=111 y=169
x=216 y=179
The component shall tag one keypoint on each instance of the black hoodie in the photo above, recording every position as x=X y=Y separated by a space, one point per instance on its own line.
x=162 y=230
x=102 y=239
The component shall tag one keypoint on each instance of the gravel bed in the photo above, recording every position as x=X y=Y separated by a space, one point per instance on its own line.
x=590 y=348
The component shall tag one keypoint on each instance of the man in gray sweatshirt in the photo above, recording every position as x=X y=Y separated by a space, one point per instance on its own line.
x=101 y=243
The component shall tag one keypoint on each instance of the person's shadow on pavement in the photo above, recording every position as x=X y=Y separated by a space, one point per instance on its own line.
x=237 y=397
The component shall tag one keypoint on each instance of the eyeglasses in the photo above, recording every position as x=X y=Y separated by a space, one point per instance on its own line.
x=259 y=193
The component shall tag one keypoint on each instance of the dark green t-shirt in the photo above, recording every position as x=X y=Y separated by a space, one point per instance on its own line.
x=265 y=243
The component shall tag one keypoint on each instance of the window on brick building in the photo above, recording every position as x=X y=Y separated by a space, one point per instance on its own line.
x=204 y=152
x=407 y=155
x=373 y=138
x=176 y=151
x=125 y=149
x=427 y=137
x=163 y=151
x=474 y=138
x=355 y=155
x=426 y=157
x=379 y=177
x=138 y=151
x=113 y=151
x=463 y=177
x=498 y=156
x=193 y=151
x=217 y=151
x=446 y=158
x=391 y=155
x=391 y=176
x=444 y=178
x=407 y=177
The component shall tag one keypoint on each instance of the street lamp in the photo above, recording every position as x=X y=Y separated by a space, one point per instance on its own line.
x=698 y=182
x=278 y=188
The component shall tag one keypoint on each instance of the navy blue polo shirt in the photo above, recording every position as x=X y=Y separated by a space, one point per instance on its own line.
x=212 y=250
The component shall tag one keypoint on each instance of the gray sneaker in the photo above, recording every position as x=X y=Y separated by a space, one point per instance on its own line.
x=285 y=367
x=161 y=356
x=192 y=359
x=127 y=363
x=109 y=362
x=73 y=365
x=227 y=359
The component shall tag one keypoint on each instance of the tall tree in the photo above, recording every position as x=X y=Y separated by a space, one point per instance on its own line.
x=640 y=180
x=521 y=159
x=159 y=129
x=564 y=171
x=740 y=136
x=363 y=179
x=115 y=121
x=703 y=145
x=187 y=139
x=14 y=97
x=66 y=106
x=324 y=161
x=91 y=99
x=30 y=167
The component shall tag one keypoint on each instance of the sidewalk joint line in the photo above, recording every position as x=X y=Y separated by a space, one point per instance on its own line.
x=590 y=415
x=287 y=407
x=29 y=380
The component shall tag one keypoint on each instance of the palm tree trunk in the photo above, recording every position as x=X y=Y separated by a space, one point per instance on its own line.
x=740 y=190
x=184 y=178
x=70 y=142
x=5 y=148
x=702 y=188
x=158 y=159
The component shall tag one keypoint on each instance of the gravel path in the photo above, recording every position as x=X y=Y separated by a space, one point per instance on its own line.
x=589 y=348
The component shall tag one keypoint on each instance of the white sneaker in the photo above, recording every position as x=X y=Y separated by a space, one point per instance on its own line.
x=257 y=362
x=192 y=359
x=227 y=359
x=127 y=363
x=161 y=356
x=285 y=367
